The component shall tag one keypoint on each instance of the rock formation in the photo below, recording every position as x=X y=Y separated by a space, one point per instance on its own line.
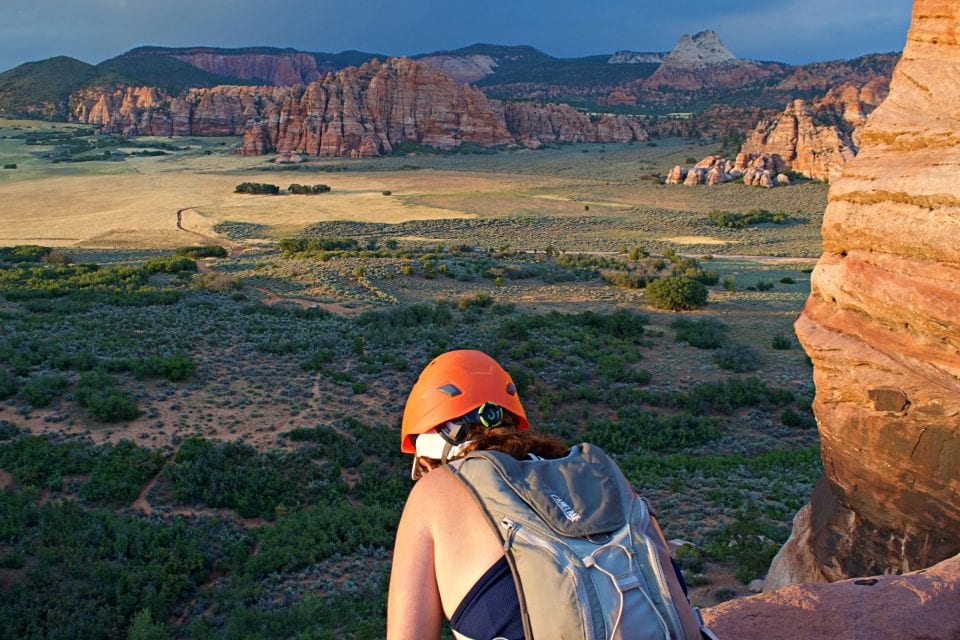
x=461 y=69
x=702 y=50
x=553 y=123
x=822 y=76
x=882 y=327
x=817 y=151
x=360 y=111
x=757 y=170
x=702 y=61
x=294 y=67
x=917 y=606
x=636 y=57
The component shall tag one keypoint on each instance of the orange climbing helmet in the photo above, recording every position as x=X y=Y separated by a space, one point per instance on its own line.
x=454 y=385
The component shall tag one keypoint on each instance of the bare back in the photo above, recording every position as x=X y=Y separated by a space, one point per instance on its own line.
x=444 y=545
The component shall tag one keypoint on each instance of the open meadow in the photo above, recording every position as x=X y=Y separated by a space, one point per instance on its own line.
x=215 y=428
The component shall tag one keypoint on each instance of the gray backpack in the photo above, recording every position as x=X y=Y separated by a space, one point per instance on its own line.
x=587 y=555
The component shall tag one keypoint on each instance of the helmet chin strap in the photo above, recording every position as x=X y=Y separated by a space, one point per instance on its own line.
x=434 y=446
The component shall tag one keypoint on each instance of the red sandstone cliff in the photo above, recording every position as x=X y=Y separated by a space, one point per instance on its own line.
x=360 y=111
x=882 y=326
x=816 y=150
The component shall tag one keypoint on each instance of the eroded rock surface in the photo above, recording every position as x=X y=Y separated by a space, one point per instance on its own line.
x=882 y=324
x=815 y=150
x=357 y=112
x=916 y=606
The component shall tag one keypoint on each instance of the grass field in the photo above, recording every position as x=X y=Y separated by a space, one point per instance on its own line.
x=238 y=416
x=579 y=197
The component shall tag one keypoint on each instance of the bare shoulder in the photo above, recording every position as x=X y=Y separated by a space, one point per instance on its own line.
x=435 y=492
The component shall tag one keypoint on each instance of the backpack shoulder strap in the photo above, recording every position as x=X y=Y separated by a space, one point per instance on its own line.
x=579 y=495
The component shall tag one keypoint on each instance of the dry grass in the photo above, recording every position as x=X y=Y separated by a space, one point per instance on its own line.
x=133 y=203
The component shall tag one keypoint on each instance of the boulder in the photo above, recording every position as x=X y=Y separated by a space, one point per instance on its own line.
x=695 y=176
x=921 y=605
x=677 y=175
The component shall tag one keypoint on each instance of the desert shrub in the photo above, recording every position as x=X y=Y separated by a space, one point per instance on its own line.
x=24 y=253
x=691 y=268
x=707 y=333
x=388 y=192
x=318 y=360
x=787 y=280
x=308 y=245
x=204 y=251
x=10 y=165
x=118 y=474
x=728 y=284
x=781 y=342
x=111 y=405
x=235 y=230
x=170 y=264
x=735 y=220
x=722 y=397
x=8 y=384
x=761 y=286
x=144 y=627
x=737 y=358
x=750 y=543
x=58 y=257
x=640 y=430
x=257 y=188
x=236 y=476
x=98 y=392
x=39 y=391
x=308 y=189
x=625 y=279
x=676 y=294
x=476 y=301
x=174 y=367
x=216 y=281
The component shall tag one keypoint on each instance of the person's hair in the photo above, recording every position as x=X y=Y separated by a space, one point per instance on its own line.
x=515 y=443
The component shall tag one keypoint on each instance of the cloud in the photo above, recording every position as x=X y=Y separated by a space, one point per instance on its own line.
x=791 y=30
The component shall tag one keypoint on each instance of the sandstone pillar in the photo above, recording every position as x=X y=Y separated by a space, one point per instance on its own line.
x=882 y=324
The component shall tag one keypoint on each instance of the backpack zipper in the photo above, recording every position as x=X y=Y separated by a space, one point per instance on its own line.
x=516 y=530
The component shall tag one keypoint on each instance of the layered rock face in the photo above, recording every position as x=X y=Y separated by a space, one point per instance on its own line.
x=535 y=124
x=219 y=111
x=276 y=69
x=366 y=111
x=358 y=112
x=461 y=69
x=817 y=151
x=882 y=325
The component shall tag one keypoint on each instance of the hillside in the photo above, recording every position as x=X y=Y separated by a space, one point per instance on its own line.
x=40 y=89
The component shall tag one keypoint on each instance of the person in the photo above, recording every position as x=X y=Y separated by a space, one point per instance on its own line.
x=448 y=562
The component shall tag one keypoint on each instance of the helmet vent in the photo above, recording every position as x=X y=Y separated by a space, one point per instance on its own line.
x=512 y=390
x=450 y=390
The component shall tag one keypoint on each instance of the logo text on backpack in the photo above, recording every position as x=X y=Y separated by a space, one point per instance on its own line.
x=568 y=511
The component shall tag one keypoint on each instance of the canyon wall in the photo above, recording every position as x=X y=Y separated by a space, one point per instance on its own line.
x=882 y=327
x=819 y=139
x=815 y=150
x=358 y=112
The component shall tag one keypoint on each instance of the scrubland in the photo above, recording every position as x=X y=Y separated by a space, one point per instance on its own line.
x=207 y=447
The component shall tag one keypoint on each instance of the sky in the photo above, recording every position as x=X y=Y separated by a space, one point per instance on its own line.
x=793 y=31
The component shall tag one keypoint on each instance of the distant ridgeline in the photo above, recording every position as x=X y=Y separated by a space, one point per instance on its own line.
x=242 y=92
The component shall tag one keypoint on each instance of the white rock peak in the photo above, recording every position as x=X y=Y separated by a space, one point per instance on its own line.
x=702 y=50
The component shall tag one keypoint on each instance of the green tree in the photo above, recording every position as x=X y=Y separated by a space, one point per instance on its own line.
x=144 y=628
x=676 y=294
